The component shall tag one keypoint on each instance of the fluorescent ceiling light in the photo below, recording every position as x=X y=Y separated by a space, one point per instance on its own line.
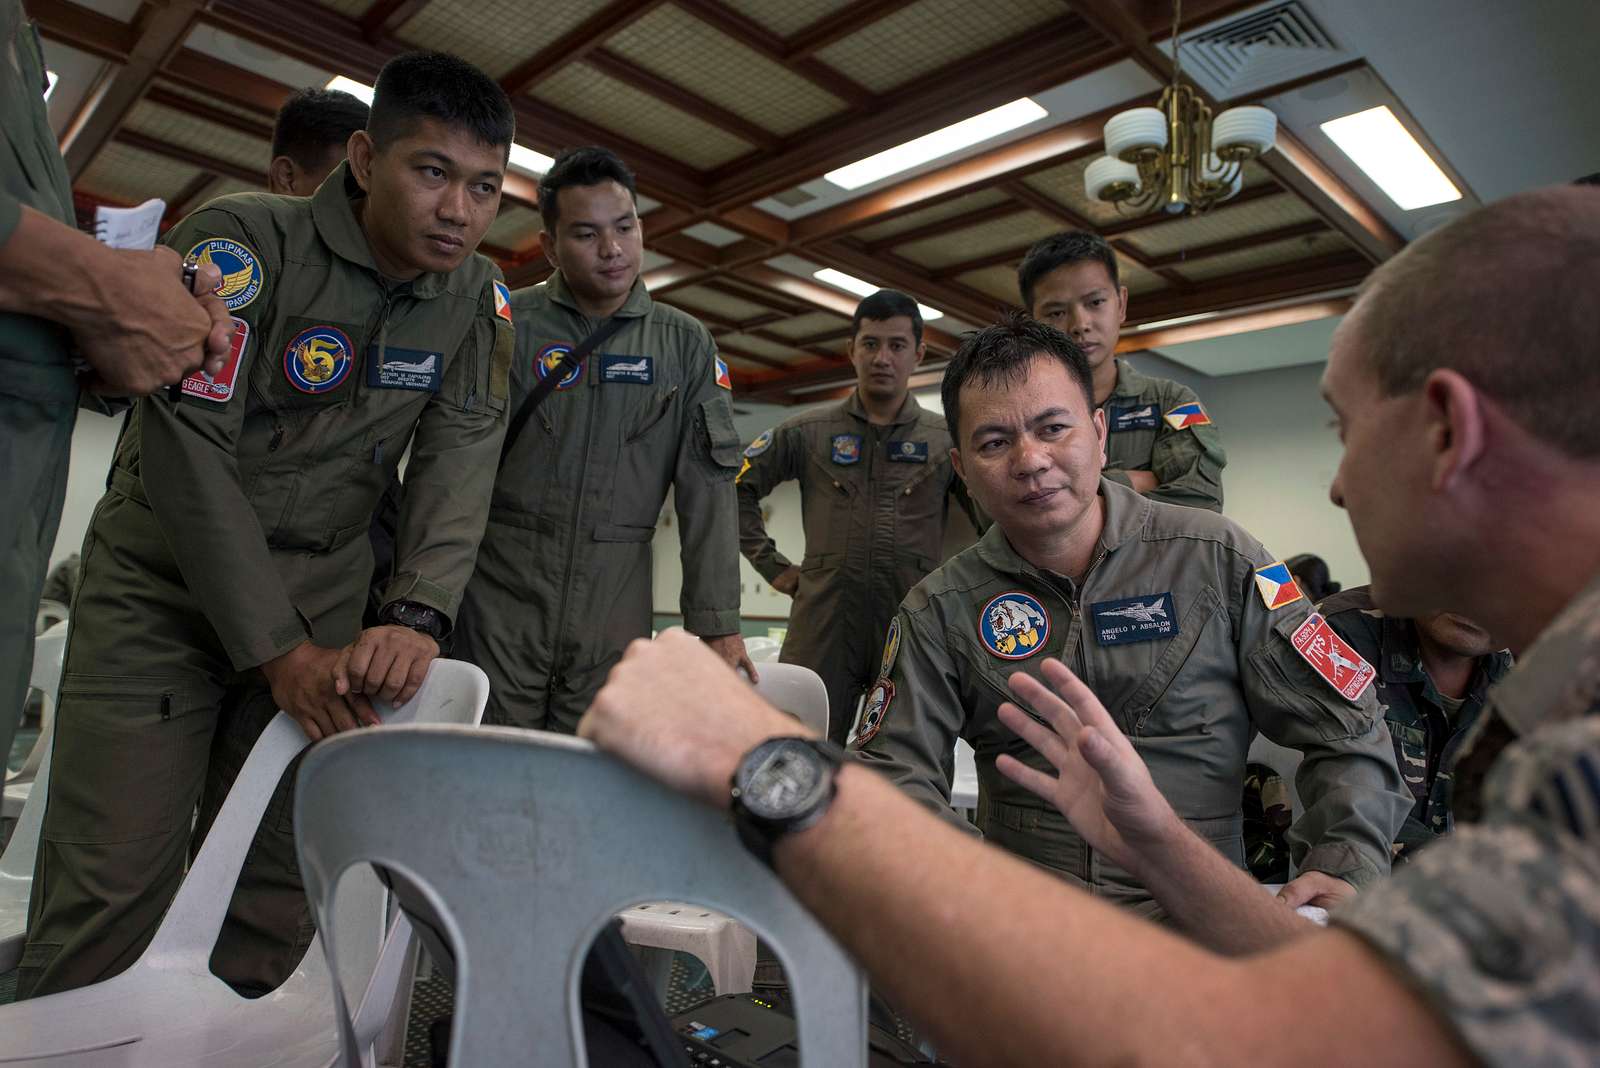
x=361 y=92
x=1376 y=141
x=50 y=79
x=852 y=284
x=1159 y=323
x=526 y=159
x=939 y=143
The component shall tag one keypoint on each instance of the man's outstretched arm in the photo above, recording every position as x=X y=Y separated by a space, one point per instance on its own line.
x=1042 y=973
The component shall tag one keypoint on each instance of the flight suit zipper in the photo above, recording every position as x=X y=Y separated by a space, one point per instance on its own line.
x=572 y=539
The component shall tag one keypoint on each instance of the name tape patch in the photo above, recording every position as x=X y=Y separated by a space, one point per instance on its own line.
x=640 y=370
x=908 y=452
x=405 y=369
x=1143 y=417
x=1135 y=619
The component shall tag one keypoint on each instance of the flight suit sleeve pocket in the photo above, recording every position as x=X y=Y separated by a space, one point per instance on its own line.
x=1291 y=685
x=721 y=440
x=499 y=386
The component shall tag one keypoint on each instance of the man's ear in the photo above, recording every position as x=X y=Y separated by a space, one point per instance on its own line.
x=360 y=151
x=955 y=462
x=1100 y=434
x=280 y=175
x=1454 y=418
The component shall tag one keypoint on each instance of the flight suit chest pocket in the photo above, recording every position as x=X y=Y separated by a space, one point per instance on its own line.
x=1163 y=704
x=309 y=365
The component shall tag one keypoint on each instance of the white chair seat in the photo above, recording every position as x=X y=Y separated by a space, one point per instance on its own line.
x=15 y=798
x=964 y=786
x=168 y=1008
x=725 y=946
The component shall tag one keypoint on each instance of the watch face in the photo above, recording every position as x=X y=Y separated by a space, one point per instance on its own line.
x=783 y=782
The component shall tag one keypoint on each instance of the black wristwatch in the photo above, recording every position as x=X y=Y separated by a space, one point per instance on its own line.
x=419 y=617
x=781 y=786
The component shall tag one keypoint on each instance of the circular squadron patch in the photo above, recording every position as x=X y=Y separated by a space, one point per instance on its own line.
x=1014 y=626
x=873 y=709
x=318 y=360
x=761 y=444
x=242 y=276
x=547 y=359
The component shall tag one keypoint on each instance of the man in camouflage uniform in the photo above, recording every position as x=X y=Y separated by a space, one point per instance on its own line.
x=875 y=489
x=1188 y=628
x=134 y=327
x=1483 y=950
x=1159 y=439
x=563 y=580
x=225 y=570
x=1434 y=675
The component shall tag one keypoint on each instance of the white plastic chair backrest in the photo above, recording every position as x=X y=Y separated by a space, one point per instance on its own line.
x=49 y=651
x=763 y=650
x=524 y=845
x=453 y=692
x=16 y=865
x=1281 y=759
x=798 y=691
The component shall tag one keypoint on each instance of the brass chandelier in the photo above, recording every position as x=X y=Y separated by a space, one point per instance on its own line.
x=1176 y=155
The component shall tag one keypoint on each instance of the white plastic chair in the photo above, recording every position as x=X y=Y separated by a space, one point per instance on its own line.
x=964 y=786
x=524 y=845
x=798 y=691
x=169 y=1009
x=762 y=650
x=49 y=651
x=16 y=870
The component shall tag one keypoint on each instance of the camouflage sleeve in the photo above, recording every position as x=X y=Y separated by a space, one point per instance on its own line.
x=1187 y=460
x=771 y=459
x=1498 y=926
x=1355 y=800
x=911 y=717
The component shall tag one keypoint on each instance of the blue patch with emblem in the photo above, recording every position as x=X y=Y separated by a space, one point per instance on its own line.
x=242 y=273
x=549 y=357
x=1134 y=619
x=640 y=370
x=846 y=448
x=404 y=369
x=318 y=360
x=1014 y=626
x=1137 y=417
x=761 y=444
x=908 y=452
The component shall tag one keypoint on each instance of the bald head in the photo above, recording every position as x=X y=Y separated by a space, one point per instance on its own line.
x=1507 y=297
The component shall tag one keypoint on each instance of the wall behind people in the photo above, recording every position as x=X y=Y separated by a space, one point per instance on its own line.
x=94 y=439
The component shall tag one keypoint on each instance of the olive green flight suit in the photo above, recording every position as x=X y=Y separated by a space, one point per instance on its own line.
x=873 y=500
x=1172 y=632
x=235 y=529
x=38 y=390
x=1146 y=431
x=563 y=580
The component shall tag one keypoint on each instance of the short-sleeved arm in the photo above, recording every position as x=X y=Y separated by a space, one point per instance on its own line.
x=1498 y=925
x=770 y=460
x=1355 y=799
x=1187 y=460
x=911 y=717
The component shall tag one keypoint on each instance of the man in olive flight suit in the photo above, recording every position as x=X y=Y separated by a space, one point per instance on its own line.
x=1159 y=439
x=226 y=568
x=563 y=580
x=136 y=329
x=875 y=484
x=1177 y=619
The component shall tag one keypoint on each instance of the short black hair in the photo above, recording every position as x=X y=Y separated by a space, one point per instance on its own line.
x=313 y=122
x=1061 y=250
x=1000 y=354
x=589 y=165
x=437 y=85
x=1311 y=574
x=887 y=304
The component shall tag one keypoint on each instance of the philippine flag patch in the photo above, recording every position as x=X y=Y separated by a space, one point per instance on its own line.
x=1187 y=415
x=1276 y=586
x=502 y=301
x=723 y=378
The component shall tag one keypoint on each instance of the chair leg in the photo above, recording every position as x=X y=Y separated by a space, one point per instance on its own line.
x=733 y=961
x=391 y=1045
x=657 y=964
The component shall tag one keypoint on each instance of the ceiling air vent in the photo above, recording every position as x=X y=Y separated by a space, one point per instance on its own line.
x=1273 y=45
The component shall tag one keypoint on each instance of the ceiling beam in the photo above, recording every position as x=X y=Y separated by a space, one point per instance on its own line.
x=1323 y=274
x=750 y=357
x=890 y=271
x=84 y=29
x=1050 y=208
x=942 y=227
x=159 y=30
x=199 y=109
x=1039 y=59
x=790 y=308
x=1229 y=325
x=575 y=44
x=385 y=17
x=1292 y=164
x=763 y=41
x=182 y=154
x=847 y=21
x=674 y=276
x=1239 y=244
x=684 y=249
x=185 y=200
x=675 y=95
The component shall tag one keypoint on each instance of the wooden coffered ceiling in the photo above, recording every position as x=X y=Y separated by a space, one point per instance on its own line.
x=720 y=104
